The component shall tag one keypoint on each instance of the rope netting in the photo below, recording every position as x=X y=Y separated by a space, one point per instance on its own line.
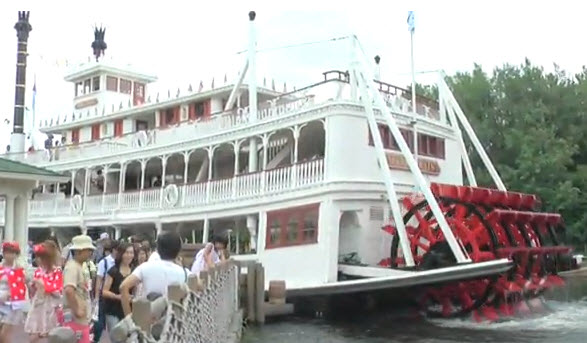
x=202 y=314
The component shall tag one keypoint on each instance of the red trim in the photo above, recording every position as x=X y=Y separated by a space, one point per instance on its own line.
x=284 y=219
x=118 y=128
x=95 y=132
x=75 y=136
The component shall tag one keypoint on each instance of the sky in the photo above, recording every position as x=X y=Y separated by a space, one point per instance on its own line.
x=185 y=42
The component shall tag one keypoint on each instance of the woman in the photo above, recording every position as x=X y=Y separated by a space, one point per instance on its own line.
x=111 y=292
x=47 y=286
x=12 y=291
x=142 y=255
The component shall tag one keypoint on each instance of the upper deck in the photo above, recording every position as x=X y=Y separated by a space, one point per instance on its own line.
x=163 y=123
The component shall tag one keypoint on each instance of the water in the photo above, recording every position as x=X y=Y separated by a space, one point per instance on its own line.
x=566 y=322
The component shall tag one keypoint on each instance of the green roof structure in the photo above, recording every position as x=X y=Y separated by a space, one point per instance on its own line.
x=18 y=170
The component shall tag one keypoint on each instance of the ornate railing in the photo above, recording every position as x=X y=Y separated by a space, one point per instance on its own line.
x=185 y=130
x=238 y=188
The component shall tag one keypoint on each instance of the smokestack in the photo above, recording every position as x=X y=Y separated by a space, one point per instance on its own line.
x=22 y=28
x=377 y=68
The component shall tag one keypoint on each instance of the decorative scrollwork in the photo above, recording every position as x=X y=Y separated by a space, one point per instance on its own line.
x=171 y=195
x=76 y=203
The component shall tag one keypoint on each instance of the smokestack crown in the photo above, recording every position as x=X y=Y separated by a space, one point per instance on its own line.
x=22 y=26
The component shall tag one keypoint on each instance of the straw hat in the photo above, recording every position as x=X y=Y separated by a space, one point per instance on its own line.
x=82 y=242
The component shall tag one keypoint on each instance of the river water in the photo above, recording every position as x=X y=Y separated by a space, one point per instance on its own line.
x=564 y=322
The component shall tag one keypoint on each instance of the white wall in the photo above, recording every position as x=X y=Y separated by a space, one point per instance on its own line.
x=348 y=136
x=304 y=265
x=85 y=134
x=216 y=104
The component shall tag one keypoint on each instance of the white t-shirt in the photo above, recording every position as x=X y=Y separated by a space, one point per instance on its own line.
x=155 y=276
x=199 y=262
x=154 y=257
x=102 y=265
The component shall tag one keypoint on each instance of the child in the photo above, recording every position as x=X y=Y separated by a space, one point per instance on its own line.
x=46 y=311
x=76 y=284
x=12 y=291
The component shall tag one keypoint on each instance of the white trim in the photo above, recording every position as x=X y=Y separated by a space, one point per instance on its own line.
x=33 y=177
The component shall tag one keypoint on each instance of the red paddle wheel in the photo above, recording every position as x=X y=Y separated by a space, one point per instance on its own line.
x=489 y=224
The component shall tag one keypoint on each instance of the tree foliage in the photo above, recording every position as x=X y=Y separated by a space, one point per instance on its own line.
x=533 y=125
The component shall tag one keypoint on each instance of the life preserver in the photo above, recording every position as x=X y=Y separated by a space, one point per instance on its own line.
x=171 y=195
x=76 y=203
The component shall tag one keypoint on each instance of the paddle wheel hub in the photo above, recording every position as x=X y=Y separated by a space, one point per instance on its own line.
x=489 y=224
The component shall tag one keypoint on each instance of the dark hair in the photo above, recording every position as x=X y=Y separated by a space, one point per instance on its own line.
x=120 y=250
x=220 y=239
x=54 y=240
x=111 y=245
x=168 y=245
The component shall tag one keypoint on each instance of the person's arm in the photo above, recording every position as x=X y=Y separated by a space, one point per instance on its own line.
x=106 y=293
x=99 y=278
x=129 y=283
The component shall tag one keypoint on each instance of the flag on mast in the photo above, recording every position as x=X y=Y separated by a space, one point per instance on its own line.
x=411 y=21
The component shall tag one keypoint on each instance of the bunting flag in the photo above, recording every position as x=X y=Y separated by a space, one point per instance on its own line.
x=411 y=21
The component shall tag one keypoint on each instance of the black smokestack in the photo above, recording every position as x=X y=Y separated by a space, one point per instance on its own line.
x=22 y=28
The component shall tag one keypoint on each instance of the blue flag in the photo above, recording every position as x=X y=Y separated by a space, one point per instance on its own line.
x=411 y=21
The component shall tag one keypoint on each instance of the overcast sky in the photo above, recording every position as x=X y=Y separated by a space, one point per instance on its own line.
x=184 y=42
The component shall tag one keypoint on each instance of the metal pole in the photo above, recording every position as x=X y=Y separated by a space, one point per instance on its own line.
x=416 y=172
x=413 y=73
x=252 y=90
x=384 y=166
x=472 y=136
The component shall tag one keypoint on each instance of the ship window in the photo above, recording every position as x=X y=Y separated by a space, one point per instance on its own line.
x=310 y=229
x=87 y=86
x=431 y=146
x=96 y=84
x=275 y=232
x=112 y=83
x=292 y=226
x=388 y=140
x=78 y=88
x=125 y=86
x=292 y=229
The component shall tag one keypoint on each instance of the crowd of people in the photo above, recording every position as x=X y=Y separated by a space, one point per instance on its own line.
x=89 y=287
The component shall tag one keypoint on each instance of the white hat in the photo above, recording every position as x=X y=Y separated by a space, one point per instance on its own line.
x=104 y=235
x=82 y=242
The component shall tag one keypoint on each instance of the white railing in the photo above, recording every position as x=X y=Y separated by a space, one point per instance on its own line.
x=185 y=130
x=241 y=187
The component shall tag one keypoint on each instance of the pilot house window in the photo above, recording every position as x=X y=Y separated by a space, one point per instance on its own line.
x=112 y=83
x=125 y=86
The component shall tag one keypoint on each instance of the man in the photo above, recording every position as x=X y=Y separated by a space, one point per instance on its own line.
x=155 y=276
x=77 y=303
x=212 y=254
x=104 y=266
x=102 y=241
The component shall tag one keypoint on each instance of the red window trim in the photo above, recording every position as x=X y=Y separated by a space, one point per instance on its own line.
x=75 y=136
x=388 y=140
x=118 y=128
x=284 y=216
x=95 y=132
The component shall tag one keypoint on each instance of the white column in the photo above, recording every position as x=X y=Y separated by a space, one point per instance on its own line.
x=105 y=174
x=83 y=229
x=262 y=234
x=20 y=226
x=9 y=218
x=186 y=160
x=206 y=232
x=143 y=166
x=73 y=172
x=117 y=232
x=252 y=227
x=265 y=143
x=159 y=228
x=296 y=136
x=163 y=170
x=237 y=148
x=210 y=160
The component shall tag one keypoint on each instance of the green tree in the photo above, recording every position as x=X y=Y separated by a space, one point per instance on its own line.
x=533 y=124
